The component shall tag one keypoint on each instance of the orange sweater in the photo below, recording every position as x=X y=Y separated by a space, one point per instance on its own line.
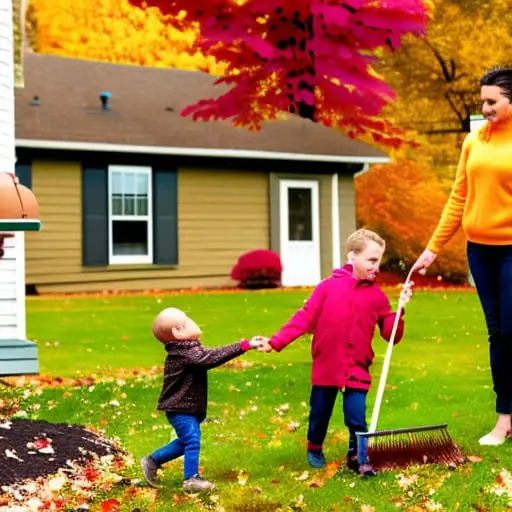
x=481 y=196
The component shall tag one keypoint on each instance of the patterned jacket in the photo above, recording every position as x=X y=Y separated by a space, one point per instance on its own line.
x=185 y=386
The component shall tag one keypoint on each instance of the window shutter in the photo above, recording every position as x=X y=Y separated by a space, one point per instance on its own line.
x=24 y=174
x=94 y=216
x=165 y=217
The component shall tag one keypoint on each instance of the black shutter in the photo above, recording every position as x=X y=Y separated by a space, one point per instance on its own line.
x=94 y=216
x=24 y=174
x=165 y=217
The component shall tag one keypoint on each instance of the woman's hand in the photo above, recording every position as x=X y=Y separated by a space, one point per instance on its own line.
x=424 y=261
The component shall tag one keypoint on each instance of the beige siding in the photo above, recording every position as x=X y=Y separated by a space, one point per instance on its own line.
x=222 y=214
x=54 y=254
x=347 y=198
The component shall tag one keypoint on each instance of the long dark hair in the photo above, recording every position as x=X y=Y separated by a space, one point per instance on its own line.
x=500 y=77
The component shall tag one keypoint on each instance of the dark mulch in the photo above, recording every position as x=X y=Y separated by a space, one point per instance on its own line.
x=69 y=443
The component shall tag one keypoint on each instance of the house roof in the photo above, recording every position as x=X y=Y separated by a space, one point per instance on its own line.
x=145 y=113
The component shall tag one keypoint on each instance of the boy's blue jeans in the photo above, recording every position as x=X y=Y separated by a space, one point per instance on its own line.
x=188 y=443
x=322 y=403
x=491 y=268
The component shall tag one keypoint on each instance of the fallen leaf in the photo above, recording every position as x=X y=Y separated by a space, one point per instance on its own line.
x=11 y=454
x=242 y=478
x=302 y=477
x=42 y=445
x=110 y=506
x=56 y=483
x=331 y=469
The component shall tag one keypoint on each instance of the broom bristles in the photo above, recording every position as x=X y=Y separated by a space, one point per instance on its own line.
x=392 y=449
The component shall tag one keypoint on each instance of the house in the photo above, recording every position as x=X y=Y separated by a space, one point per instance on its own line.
x=135 y=196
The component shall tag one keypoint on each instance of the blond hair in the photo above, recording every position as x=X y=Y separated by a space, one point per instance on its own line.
x=357 y=241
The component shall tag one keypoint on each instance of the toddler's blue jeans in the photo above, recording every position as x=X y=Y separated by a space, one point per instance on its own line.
x=188 y=443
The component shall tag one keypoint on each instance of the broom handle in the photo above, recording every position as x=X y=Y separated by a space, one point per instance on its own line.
x=387 y=361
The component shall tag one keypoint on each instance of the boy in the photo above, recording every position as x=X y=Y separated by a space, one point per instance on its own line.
x=342 y=314
x=184 y=392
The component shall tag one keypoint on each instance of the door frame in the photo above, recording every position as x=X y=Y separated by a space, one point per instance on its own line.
x=314 y=186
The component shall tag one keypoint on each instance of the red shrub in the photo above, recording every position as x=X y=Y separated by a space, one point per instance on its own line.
x=260 y=268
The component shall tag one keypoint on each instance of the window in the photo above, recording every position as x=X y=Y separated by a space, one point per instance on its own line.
x=130 y=233
x=144 y=227
x=300 y=214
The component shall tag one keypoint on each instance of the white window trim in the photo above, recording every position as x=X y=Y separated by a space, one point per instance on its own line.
x=127 y=259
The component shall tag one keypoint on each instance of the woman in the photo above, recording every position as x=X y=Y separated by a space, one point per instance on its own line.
x=481 y=200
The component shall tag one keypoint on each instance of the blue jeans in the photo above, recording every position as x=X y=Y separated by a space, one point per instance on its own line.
x=322 y=403
x=491 y=267
x=188 y=443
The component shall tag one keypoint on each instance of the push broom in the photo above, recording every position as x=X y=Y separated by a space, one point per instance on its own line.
x=402 y=447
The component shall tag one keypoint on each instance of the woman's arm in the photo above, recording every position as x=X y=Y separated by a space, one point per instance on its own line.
x=451 y=217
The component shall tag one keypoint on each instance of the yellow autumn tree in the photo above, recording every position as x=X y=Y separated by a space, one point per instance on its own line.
x=112 y=31
x=436 y=77
x=437 y=83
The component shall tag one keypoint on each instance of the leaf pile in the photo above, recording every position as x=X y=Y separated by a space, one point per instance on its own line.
x=40 y=462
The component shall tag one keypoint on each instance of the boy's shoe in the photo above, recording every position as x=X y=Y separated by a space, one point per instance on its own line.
x=149 y=469
x=360 y=469
x=367 y=470
x=197 y=484
x=316 y=459
x=352 y=463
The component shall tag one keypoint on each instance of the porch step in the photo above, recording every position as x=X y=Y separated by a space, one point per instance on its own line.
x=18 y=357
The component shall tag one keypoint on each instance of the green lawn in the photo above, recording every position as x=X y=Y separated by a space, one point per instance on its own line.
x=440 y=373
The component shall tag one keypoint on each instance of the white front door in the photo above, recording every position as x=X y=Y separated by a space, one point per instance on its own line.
x=299 y=232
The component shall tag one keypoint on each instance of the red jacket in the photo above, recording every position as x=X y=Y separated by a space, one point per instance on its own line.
x=342 y=314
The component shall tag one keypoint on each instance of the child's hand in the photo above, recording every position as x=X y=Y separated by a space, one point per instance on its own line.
x=257 y=341
x=265 y=346
x=405 y=294
x=261 y=343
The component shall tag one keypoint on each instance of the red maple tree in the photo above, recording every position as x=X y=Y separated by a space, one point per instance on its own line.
x=312 y=58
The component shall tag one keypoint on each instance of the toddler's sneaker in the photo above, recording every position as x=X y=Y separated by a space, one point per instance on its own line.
x=316 y=459
x=197 y=484
x=149 y=469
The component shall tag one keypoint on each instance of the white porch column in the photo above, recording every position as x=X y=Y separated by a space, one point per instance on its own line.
x=335 y=214
x=12 y=266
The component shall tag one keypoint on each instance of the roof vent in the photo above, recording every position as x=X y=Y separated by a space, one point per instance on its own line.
x=35 y=101
x=104 y=98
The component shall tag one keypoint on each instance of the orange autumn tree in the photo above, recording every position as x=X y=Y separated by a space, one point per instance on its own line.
x=403 y=201
x=113 y=31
